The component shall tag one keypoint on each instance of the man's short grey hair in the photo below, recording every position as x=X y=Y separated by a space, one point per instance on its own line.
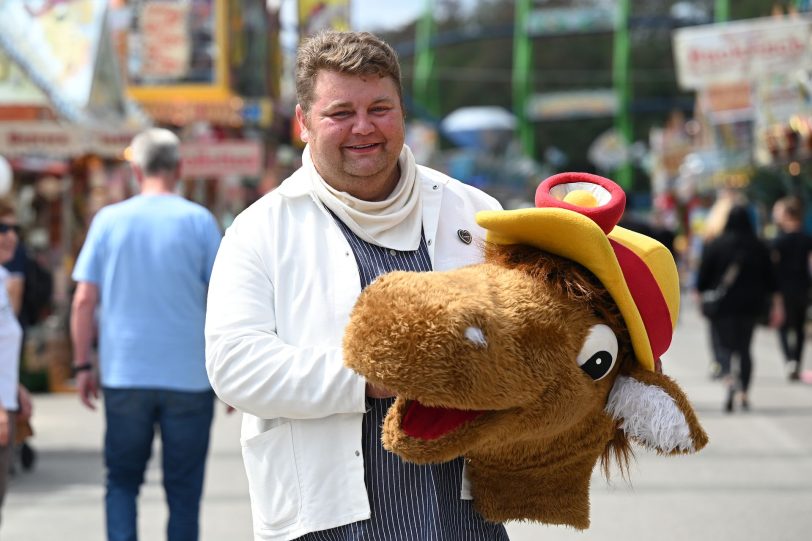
x=156 y=150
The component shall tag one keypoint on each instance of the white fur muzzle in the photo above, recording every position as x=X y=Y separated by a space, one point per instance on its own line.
x=649 y=415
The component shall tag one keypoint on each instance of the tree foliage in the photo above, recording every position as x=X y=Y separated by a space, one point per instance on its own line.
x=477 y=70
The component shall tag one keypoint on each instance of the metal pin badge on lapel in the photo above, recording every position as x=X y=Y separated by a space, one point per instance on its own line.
x=464 y=235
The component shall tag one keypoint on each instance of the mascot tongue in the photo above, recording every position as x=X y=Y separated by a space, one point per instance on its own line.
x=430 y=423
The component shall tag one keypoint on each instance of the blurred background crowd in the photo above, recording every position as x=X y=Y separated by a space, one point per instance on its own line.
x=689 y=105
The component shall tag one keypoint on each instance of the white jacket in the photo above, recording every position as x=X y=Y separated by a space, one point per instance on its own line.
x=283 y=285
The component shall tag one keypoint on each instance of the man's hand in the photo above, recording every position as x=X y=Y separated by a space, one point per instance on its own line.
x=777 y=314
x=26 y=406
x=4 y=431
x=229 y=409
x=82 y=332
x=88 y=388
x=377 y=391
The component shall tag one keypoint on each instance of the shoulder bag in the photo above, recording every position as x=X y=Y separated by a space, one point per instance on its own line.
x=712 y=298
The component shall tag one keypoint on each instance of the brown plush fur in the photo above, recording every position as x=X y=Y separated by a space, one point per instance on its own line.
x=531 y=453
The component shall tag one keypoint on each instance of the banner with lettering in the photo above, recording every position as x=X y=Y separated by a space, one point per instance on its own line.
x=741 y=51
x=55 y=140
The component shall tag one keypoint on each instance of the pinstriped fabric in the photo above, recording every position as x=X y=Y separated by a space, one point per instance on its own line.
x=408 y=502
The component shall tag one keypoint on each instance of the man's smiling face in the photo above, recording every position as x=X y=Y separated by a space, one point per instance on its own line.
x=355 y=131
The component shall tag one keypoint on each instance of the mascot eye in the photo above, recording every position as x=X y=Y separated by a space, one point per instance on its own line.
x=599 y=352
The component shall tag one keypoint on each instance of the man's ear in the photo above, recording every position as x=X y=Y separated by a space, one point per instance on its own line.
x=301 y=119
x=654 y=412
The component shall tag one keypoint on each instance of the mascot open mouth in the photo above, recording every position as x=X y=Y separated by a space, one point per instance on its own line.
x=431 y=423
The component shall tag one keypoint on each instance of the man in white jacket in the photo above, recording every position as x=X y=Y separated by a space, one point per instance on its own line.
x=286 y=277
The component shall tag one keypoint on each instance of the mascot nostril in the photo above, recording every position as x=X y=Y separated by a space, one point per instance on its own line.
x=561 y=368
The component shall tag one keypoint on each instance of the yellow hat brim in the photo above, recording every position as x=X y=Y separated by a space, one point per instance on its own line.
x=573 y=236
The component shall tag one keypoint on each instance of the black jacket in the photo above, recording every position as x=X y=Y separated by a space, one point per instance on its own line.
x=750 y=293
x=791 y=256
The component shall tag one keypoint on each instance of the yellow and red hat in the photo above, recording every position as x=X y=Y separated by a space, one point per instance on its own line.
x=576 y=217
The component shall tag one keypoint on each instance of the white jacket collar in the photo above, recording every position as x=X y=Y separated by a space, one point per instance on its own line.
x=298 y=184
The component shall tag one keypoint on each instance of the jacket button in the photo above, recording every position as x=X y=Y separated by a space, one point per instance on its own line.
x=357 y=453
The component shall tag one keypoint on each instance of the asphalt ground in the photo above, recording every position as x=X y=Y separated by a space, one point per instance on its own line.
x=752 y=483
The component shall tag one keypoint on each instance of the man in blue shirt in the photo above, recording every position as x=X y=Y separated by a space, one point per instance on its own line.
x=145 y=265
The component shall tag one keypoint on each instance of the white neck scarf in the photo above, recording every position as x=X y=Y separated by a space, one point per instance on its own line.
x=396 y=222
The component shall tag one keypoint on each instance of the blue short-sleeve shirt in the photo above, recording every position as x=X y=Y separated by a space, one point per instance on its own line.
x=151 y=258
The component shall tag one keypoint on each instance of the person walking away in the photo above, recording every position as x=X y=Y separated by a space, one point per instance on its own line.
x=14 y=398
x=712 y=227
x=287 y=275
x=738 y=253
x=146 y=264
x=30 y=288
x=792 y=255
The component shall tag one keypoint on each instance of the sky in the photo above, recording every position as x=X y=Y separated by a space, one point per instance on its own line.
x=378 y=15
x=368 y=15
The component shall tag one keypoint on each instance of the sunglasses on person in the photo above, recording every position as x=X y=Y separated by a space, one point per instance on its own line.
x=5 y=228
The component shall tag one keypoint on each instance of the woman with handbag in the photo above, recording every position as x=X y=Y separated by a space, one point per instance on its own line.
x=14 y=399
x=736 y=278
